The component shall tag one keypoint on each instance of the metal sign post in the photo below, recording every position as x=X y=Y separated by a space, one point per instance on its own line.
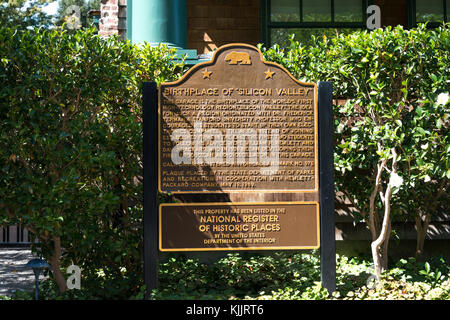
x=150 y=175
x=326 y=178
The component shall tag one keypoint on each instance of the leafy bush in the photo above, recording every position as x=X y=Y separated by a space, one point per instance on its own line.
x=296 y=276
x=71 y=149
x=282 y=276
x=236 y=275
x=392 y=146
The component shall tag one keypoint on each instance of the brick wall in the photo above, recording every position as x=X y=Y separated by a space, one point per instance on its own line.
x=210 y=23
x=113 y=18
x=213 y=23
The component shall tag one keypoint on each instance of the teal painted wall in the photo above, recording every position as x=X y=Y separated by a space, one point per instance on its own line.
x=157 y=21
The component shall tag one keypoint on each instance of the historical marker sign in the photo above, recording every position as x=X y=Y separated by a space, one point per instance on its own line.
x=246 y=132
x=238 y=124
x=238 y=226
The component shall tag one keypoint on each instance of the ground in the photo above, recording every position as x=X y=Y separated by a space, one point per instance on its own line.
x=13 y=274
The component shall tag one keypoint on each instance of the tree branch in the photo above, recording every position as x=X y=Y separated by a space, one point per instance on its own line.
x=386 y=220
x=380 y=168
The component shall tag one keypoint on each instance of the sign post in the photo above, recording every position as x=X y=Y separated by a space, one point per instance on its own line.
x=248 y=151
x=150 y=175
x=326 y=177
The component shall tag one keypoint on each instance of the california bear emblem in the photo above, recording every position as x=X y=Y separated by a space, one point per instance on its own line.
x=235 y=57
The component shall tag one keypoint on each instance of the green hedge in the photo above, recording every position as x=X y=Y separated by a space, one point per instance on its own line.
x=71 y=149
x=392 y=144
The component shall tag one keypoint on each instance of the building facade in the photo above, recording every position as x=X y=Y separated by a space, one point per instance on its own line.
x=204 y=25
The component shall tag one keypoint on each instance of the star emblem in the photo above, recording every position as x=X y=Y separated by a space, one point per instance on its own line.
x=269 y=74
x=206 y=74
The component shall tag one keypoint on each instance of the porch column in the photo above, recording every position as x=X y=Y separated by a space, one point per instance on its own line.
x=157 y=21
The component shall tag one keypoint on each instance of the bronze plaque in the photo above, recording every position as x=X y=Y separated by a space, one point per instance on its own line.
x=238 y=226
x=238 y=124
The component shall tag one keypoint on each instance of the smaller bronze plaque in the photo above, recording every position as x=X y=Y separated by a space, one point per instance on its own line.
x=238 y=226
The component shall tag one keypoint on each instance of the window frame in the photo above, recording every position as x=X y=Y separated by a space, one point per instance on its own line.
x=412 y=14
x=267 y=24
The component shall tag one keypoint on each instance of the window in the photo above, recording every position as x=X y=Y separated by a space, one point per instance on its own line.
x=435 y=12
x=304 y=18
